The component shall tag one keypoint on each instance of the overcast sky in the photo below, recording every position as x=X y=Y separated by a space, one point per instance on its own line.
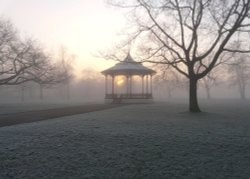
x=83 y=26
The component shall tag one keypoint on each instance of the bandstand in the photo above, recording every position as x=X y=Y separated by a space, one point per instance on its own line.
x=128 y=82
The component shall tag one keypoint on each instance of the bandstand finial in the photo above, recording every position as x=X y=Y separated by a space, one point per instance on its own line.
x=129 y=58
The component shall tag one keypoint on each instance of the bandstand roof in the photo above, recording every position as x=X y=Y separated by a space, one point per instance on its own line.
x=128 y=67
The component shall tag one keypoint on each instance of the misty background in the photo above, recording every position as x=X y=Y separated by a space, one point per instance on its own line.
x=90 y=87
x=86 y=28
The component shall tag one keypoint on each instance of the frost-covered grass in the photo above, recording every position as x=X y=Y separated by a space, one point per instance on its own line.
x=158 y=140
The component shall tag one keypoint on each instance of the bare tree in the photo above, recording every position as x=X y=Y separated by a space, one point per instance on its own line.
x=65 y=63
x=212 y=79
x=189 y=35
x=23 y=60
x=208 y=82
x=90 y=84
x=168 y=81
x=239 y=72
x=52 y=75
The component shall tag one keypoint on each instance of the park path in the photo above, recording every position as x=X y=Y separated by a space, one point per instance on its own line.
x=38 y=115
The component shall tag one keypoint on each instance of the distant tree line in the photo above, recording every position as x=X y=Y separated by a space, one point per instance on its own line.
x=88 y=87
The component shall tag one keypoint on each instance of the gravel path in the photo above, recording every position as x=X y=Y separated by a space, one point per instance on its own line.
x=137 y=141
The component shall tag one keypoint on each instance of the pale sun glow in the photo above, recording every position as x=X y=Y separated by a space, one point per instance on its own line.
x=120 y=82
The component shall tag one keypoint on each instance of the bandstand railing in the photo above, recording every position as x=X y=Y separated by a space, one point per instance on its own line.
x=129 y=96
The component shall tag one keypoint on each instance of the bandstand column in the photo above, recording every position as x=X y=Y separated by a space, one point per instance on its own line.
x=151 y=85
x=130 y=86
x=127 y=84
x=106 y=84
x=113 y=85
x=147 y=84
x=142 y=84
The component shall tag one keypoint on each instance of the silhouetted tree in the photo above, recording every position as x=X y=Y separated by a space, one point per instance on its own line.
x=66 y=67
x=214 y=78
x=239 y=71
x=47 y=74
x=188 y=35
x=168 y=81
x=208 y=82
x=23 y=60
x=92 y=82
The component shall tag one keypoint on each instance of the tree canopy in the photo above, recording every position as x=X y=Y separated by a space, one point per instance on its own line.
x=190 y=36
x=23 y=60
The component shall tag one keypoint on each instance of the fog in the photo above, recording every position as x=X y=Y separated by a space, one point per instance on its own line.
x=91 y=89
x=78 y=91
x=222 y=91
x=159 y=140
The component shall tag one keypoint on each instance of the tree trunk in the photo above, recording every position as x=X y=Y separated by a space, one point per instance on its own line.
x=208 y=93
x=41 y=92
x=242 y=93
x=68 y=91
x=193 y=102
x=169 y=92
x=22 y=93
